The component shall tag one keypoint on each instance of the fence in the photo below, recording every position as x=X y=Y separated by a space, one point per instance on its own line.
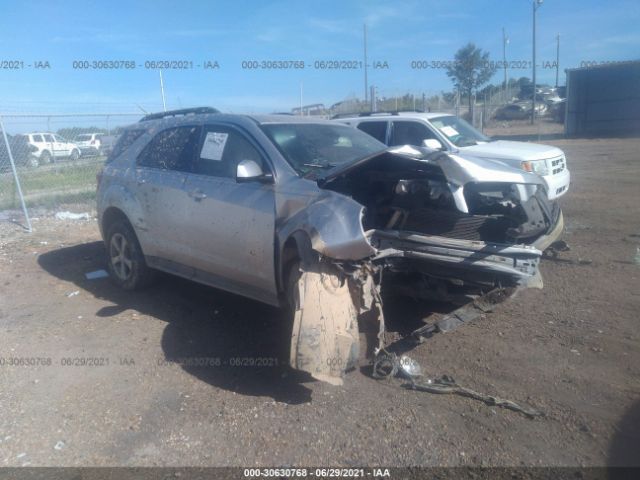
x=55 y=158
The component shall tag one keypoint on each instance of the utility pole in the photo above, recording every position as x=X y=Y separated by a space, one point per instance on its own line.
x=366 y=82
x=557 y=57
x=536 y=4
x=505 y=40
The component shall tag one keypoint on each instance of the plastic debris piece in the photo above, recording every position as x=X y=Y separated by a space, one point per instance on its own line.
x=74 y=293
x=72 y=216
x=59 y=445
x=96 y=274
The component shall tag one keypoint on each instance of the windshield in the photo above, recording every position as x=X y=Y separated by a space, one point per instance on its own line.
x=309 y=147
x=458 y=132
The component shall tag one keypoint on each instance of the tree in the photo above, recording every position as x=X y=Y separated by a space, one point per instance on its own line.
x=470 y=70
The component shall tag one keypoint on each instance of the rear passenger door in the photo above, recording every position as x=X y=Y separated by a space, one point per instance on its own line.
x=161 y=174
x=234 y=223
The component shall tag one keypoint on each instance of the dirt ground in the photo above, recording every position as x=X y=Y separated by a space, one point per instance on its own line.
x=92 y=375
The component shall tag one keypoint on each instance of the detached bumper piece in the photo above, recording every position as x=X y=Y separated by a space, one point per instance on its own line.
x=475 y=261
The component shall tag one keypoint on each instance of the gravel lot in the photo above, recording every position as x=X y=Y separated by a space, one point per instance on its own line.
x=571 y=350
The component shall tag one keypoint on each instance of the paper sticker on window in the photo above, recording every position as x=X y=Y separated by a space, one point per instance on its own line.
x=213 y=146
x=449 y=131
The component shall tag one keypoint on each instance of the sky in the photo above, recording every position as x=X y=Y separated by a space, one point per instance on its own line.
x=233 y=32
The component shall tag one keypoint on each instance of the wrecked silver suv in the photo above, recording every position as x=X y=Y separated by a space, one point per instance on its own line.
x=311 y=215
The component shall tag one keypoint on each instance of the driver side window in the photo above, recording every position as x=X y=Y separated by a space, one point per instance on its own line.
x=221 y=149
x=410 y=133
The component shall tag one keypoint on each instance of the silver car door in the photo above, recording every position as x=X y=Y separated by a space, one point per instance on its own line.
x=233 y=235
x=161 y=175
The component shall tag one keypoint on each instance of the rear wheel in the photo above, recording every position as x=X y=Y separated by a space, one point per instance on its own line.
x=126 y=263
x=75 y=154
x=45 y=157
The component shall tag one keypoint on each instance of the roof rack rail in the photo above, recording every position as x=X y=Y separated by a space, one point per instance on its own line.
x=182 y=111
x=372 y=114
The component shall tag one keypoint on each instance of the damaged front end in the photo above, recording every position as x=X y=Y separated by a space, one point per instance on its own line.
x=439 y=226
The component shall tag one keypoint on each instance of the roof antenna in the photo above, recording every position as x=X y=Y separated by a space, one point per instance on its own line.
x=164 y=105
x=143 y=110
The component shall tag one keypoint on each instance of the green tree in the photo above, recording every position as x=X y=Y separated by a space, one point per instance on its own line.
x=470 y=70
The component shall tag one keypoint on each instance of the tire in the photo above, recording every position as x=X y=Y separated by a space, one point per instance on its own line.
x=33 y=162
x=293 y=276
x=45 y=157
x=75 y=155
x=125 y=261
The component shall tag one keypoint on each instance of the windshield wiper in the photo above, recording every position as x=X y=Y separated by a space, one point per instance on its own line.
x=319 y=165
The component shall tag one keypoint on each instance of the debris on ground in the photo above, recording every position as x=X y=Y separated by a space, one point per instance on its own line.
x=96 y=274
x=66 y=215
x=74 y=293
x=388 y=365
x=59 y=445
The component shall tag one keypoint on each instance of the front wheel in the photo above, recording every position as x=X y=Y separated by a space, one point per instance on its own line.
x=126 y=263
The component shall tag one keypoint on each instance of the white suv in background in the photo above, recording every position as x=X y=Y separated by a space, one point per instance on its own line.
x=453 y=135
x=52 y=146
x=89 y=143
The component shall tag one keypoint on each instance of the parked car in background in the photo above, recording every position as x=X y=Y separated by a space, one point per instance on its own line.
x=306 y=214
x=89 y=143
x=107 y=142
x=451 y=134
x=51 y=147
x=22 y=151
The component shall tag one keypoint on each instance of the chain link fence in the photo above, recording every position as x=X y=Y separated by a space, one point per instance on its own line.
x=56 y=158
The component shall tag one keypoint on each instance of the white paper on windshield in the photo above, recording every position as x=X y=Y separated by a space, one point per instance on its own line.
x=213 y=146
x=449 y=131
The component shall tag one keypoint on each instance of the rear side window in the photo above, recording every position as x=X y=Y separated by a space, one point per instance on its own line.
x=377 y=130
x=171 y=149
x=124 y=142
x=410 y=133
x=37 y=138
x=221 y=149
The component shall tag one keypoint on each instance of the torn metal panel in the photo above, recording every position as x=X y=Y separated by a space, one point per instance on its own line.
x=324 y=340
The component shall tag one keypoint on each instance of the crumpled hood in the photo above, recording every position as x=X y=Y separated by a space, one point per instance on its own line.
x=506 y=149
x=458 y=170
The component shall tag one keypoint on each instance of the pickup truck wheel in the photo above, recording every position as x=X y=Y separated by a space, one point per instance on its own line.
x=126 y=263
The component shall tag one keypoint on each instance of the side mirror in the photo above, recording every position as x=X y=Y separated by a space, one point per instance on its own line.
x=249 y=170
x=432 y=143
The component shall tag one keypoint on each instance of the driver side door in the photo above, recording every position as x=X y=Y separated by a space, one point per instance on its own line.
x=234 y=235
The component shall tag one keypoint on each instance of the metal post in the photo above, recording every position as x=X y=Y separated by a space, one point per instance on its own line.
x=366 y=82
x=557 y=57
x=164 y=105
x=301 y=113
x=15 y=176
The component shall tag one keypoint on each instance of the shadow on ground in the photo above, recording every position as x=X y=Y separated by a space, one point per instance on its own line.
x=206 y=323
x=624 y=450
x=202 y=323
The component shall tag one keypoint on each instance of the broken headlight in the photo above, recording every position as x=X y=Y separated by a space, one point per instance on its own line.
x=536 y=166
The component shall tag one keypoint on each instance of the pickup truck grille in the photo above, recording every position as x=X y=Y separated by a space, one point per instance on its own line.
x=556 y=165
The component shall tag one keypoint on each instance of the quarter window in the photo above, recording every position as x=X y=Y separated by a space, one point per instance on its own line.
x=171 y=149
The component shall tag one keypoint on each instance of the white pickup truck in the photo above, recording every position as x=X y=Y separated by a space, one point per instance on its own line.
x=453 y=135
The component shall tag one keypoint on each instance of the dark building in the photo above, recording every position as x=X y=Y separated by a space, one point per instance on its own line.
x=603 y=100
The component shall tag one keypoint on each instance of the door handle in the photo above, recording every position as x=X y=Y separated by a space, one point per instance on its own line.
x=197 y=194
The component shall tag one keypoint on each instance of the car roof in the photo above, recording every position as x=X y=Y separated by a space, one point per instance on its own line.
x=392 y=115
x=233 y=118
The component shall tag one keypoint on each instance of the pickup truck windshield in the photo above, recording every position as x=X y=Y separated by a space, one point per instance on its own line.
x=458 y=132
x=309 y=147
